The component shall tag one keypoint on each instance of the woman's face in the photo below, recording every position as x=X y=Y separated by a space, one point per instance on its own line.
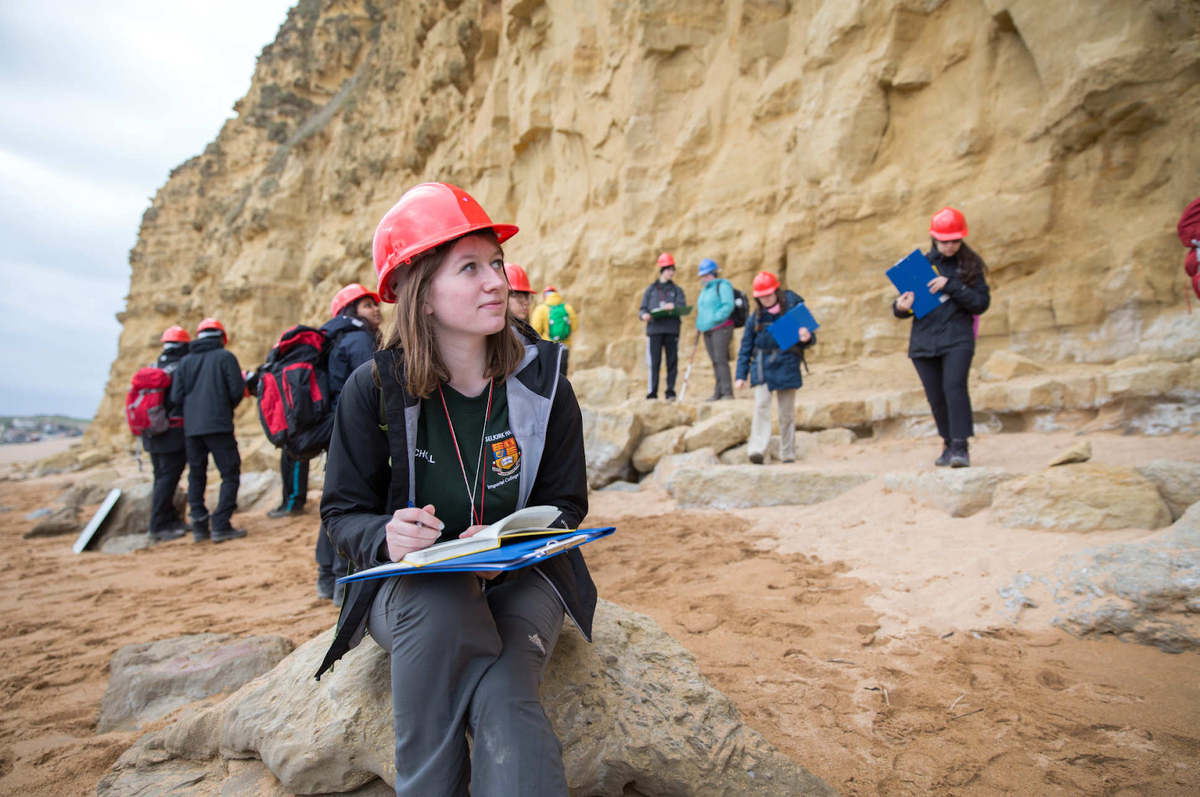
x=368 y=310
x=770 y=300
x=949 y=248
x=468 y=294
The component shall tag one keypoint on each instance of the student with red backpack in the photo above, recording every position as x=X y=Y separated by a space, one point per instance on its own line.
x=208 y=384
x=160 y=425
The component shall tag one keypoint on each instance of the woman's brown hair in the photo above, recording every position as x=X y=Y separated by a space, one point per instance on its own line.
x=421 y=369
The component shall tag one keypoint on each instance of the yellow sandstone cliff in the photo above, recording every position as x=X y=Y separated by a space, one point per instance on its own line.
x=813 y=139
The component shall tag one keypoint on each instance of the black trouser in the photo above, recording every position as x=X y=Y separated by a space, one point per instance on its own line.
x=224 y=450
x=168 y=467
x=330 y=566
x=295 y=481
x=655 y=346
x=945 y=381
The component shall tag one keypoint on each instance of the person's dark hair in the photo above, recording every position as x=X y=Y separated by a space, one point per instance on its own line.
x=970 y=265
x=411 y=331
x=759 y=320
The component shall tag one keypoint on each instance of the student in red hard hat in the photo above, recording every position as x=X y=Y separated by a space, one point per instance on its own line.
x=942 y=343
x=520 y=295
x=167 y=449
x=555 y=320
x=445 y=434
x=771 y=370
x=208 y=384
x=662 y=334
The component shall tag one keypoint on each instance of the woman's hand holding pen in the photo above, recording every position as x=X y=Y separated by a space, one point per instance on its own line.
x=412 y=529
x=486 y=575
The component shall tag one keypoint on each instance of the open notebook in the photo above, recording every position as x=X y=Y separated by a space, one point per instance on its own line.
x=532 y=521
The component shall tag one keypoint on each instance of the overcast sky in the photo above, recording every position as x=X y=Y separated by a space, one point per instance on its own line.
x=100 y=101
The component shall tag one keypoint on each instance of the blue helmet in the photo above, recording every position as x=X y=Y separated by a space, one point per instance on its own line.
x=707 y=267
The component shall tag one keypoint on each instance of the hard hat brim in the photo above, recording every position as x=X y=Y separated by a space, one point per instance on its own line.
x=503 y=233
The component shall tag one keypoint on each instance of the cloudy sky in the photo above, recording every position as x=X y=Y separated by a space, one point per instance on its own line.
x=101 y=100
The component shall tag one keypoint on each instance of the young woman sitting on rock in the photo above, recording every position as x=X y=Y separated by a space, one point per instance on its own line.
x=942 y=343
x=449 y=430
x=770 y=369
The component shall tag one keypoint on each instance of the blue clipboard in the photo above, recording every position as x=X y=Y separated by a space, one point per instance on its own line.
x=513 y=556
x=913 y=273
x=786 y=330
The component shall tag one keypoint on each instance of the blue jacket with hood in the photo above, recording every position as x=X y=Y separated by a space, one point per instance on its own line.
x=760 y=358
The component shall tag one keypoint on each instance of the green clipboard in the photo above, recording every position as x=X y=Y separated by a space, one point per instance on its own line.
x=677 y=312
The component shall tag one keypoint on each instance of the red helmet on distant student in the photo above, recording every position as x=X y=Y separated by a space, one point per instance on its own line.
x=665 y=260
x=549 y=289
x=426 y=216
x=176 y=335
x=948 y=225
x=348 y=295
x=212 y=323
x=518 y=280
x=765 y=283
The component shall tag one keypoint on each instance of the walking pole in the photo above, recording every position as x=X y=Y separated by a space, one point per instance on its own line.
x=688 y=372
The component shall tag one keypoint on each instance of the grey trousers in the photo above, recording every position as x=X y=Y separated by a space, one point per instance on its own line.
x=716 y=343
x=465 y=660
x=760 y=428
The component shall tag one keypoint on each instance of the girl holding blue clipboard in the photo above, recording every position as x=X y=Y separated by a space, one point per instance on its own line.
x=462 y=419
x=942 y=342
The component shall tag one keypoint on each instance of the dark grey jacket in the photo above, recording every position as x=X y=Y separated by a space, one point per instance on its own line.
x=369 y=475
x=951 y=325
x=208 y=384
x=656 y=294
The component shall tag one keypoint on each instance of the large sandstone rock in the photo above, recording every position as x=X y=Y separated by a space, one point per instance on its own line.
x=600 y=387
x=659 y=415
x=741 y=486
x=721 y=431
x=152 y=679
x=656 y=446
x=609 y=437
x=1083 y=497
x=1178 y=483
x=961 y=492
x=1005 y=364
x=632 y=708
x=1146 y=592
x=1080 y=452
x=664 y=471
x=836 y=437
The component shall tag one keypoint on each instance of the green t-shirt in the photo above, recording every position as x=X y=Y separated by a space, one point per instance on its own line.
x=439 y=477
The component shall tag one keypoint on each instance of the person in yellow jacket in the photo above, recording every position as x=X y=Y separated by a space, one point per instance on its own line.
x=555 y=320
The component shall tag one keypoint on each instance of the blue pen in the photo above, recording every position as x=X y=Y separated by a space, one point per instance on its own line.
x=411 y=505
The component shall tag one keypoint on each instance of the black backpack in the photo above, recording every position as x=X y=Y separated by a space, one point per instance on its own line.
x=294 y=404
x=741 y=309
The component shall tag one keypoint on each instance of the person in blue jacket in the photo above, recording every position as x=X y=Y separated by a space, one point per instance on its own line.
x=771 y=370
x=714 y=319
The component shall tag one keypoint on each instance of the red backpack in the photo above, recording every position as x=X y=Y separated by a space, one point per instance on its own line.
x=145 y=409
x=1189 y=236
x=293 y=393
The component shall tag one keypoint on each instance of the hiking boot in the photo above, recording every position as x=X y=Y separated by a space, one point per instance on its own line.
x=221 y=535
x=959 y=458
x=944 y=459
x=713 y=397
x=171 y=532
x=651 y=396
x=200 y=531
x=324 y=591
x=756 y=458
x=281 y=511
x=670 y=397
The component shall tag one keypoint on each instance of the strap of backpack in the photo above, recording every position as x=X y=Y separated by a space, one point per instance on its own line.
x=383 y=424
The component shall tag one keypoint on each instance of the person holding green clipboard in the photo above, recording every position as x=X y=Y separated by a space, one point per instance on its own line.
x=663 y=302
x=942 y=342
x=458 y=422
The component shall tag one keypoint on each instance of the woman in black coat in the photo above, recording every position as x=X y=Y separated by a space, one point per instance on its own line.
x=942 y=343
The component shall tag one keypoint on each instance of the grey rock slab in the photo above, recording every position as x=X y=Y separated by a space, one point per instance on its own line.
x=256 y=488
x=150 y=680
x=131 y=515
x=660 y=477
x=63 y=520
x=836 y=437
x=1178 y=482
x=632 y=708
x=961 y=492
x=742 y=486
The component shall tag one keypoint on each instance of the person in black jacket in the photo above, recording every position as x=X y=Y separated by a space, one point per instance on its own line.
x=355 y=328
x=166 y=449
x=208 y=384
x=477 y=423
x=942 y=343
x=662 y=333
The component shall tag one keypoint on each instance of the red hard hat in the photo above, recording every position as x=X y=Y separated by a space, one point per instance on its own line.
x=665 y=260
x=212 y=323
x=348 y=295
x=549 y=289
x=948 y=225
x=427 y=215
x=518 y=280
x=765 y=283
x=176 y=335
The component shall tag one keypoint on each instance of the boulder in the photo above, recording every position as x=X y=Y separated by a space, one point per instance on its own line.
x=659 y=415
x=630 y=708
x=152 y=679
x=1146 y=592
x=657 y=446
x=91 y=458
x=61 y=462
x=961 y=492
x=1084 y=497
x=63 y=520
x=92 y=488
x=666 y=467
x=609 y=437
x=721 y=431
x=1005 y=364
x=131 y=515
x=1178 y=482
x=600 y=387
x=836 y=437
x=710 y=409
x=257 y=489
x=741 y=486
x=1080 y=452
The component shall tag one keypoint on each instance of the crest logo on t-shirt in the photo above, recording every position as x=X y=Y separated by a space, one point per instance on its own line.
x=505 y=456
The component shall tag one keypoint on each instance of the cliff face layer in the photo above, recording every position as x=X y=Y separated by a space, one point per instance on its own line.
x=813 y=138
